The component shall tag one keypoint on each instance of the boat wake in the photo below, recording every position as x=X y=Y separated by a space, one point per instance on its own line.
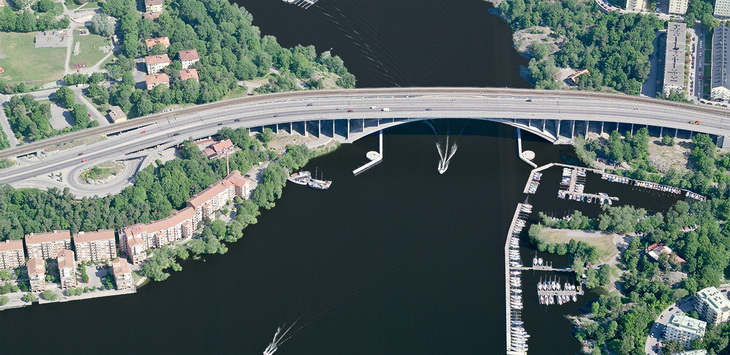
x=279 y=339
x=445 y=155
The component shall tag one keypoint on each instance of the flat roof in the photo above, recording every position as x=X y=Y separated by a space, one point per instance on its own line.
x=101 y=234
x=35 y=238
x=687 y=324
x=674 y=54
x=714 y=299
x=11 y=245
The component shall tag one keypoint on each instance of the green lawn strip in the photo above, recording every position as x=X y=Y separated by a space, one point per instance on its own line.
x=603 y=242
x=22 y=62
x=89 y=51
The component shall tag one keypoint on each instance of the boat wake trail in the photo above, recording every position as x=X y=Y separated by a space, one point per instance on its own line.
x=279 y=339
x=445 y=153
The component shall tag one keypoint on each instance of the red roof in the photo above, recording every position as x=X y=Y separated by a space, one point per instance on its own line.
x=35 y=238
x=190 y=54
x=157 y=59
x=189 y=74
x=165 y=41
x=10 y=245
x=101 y=234
x=157 y=79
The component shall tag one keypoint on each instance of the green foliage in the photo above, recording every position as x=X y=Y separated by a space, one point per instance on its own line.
x=26 y=21
x=6 y=274
x=75 y=79
x=29 y=118
x=43 y=6
x=49 y=295
x=4 y=300
x=65 y=97
x=74 y=291
x=28 y=297
x=615 y=48
x=101 y=25
x=668 y=141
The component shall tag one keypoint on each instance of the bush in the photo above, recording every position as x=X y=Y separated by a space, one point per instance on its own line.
x=49 y=295
x=4 y=300
x=28 y=297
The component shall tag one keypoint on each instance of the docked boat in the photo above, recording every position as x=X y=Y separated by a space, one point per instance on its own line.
x=319 y=184
x=300 y=178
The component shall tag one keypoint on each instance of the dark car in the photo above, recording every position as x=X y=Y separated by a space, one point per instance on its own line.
x=237 y=120
x=276 y=115
x=175 y=134
x=350 y=111
x=220 y=124
x=82 y=153
x=429 y=109
x=309 y=104
x=528 y=100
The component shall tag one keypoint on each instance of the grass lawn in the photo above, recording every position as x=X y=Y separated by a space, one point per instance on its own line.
x=90 y=5
x=603 y=242
x=89 y=51
x=23 y=62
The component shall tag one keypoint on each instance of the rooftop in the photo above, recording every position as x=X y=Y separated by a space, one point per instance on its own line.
x=165 y=41
x=178 y=217
x=152 y=2
x=189 y=54
x=101 y=234
x=116 y=113
x=9 y=245
x=157 y=79
x=674 y=55
x=66 y=259
x=54 y=236
x=36 y=267
x=687 y=324
x=121 y=266
x=157 y=59
x=186 y=74
x=714 y=299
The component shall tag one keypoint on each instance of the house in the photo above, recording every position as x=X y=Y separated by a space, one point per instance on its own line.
x=188 y=58
x=186 y=74
x=122 y=274
x=155 y=80
x=209 y=201
x=11 y=254
x=572 y=79
x=116 y=114
x=712 y=305
x=164 y=41
x=2 y=3
x=155 y=63
x=47 y=245
x=67 y=268
x=684 y=329
x=153 y=5
x=219 y=149
x=151 y=15
x=95 y=246
x=674 y=58
x=657 y=249
x=37 y=274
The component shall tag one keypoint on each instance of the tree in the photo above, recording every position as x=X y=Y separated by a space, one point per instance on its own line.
x=4 y=300
x=101 y=25
x=668 y=141
x=43 y=5
x=6 y=274
x=65 y=97
x=538 y=50
x=28 y=297
x=49 y=295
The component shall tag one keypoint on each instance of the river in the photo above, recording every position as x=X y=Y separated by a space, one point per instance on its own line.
x=398 y=260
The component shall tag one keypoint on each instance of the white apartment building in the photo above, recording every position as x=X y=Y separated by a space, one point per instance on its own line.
x=722 y=8
x=155 y=63
x=712 y=305
x=678 y=7
x=67 y=269
x=11 y=254
x=720 y=73
x=684 y=329
x=37 y=274
x=674 y=58
x=95 y=246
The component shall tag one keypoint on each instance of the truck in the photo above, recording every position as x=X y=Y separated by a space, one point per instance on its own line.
x=386 y=109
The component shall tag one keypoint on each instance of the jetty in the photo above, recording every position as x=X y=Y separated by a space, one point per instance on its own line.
x=516 y=334
x=573 y=180
x=652 y=186
x=375 y=157
x=531 y=186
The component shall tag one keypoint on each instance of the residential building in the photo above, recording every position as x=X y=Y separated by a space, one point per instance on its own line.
x=684 y=329
x=11 y=254
x=67 y=268
x=153 y=5
x=164 y=41
x=2 y=3
x=151 y=15
x=674 y=58
x=122 y=274
x=209 y=201
x=37 y=274
x=136 y=239
x=153 y=81
x=720 y=73
x=95 y=246
x=219 y=149
x=678 y=7
x=657 y=249
x=186 y=74
x=712 y=305
x=635 y=5
x=47 y=245
x=188 y=58
x=116 y=114
x=722 y=8
x=155 y=63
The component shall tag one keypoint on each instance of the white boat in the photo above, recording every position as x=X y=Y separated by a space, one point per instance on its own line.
x=319 y=184
x=300 y=178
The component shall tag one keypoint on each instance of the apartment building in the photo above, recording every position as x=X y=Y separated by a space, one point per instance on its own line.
x=95 y=246
x=678 y=7
x=136 y=239
x=186 y=74
x=12 y=254
x=188 y=58
x=47 y=245
x=153 y=5
x=122 y=274
x=219 y=149
x=67 y=268
x=155 y=80
x=37 y=274
x=722 y=8
x=712 y=305
x=720 y=70
x=209 y=201
x=155 y=63
x=674 y=58
x=684 y=329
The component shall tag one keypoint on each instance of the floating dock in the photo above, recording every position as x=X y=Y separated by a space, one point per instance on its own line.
x=516 y=334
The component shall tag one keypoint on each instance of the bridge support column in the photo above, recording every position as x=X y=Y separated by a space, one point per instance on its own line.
x=558 y=131
x=588 y=123
x=676 y=132
x=661 y=131
x=319 y=129
x=602 y=127
x=632 y=129
x=572 y=130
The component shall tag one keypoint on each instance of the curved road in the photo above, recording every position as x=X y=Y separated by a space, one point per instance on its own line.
x=126 y=139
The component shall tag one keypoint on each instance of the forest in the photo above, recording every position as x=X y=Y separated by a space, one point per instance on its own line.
x=614 y=48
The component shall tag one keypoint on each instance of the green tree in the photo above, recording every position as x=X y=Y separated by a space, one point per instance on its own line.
x=28 y=297
x=49 y=295
x=101 y=25
x=4 y=300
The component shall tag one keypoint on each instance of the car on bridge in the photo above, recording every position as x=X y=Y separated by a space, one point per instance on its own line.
x=694 y=122
x=350 y=110
x=84 y=160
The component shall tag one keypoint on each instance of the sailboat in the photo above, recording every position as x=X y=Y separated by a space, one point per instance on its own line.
x=319 y=183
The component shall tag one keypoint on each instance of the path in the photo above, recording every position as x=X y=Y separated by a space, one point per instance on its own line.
x=95 y=114
x=5 y=124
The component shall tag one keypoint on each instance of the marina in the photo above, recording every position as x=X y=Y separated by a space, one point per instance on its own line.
x=652 y=185
x=572 y=186
x=516 y=335
x=553 y=292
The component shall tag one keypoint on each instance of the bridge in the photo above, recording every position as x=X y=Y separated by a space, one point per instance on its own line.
x=346 y=115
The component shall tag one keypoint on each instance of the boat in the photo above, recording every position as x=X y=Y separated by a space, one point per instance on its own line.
x=300 y=178
x=319 y=184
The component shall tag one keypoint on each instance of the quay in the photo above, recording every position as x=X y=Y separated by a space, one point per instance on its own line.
x=542 y=268
x=516 y=334
x=375 y=157
x=651 y=185
x=519 y=150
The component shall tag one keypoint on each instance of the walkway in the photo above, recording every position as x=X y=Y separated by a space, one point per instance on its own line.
x=5 y=124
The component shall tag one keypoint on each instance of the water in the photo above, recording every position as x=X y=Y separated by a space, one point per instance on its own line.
x=398 y=260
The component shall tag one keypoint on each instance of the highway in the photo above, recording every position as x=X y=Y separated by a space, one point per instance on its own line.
x=124 y=140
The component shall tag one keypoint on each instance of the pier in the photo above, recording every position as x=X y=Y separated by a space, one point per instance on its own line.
x=574 y=178
x=516 y=334
x=519 y=150
x=375 y=157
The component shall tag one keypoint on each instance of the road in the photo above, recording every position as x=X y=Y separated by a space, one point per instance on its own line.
x=123 y=139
